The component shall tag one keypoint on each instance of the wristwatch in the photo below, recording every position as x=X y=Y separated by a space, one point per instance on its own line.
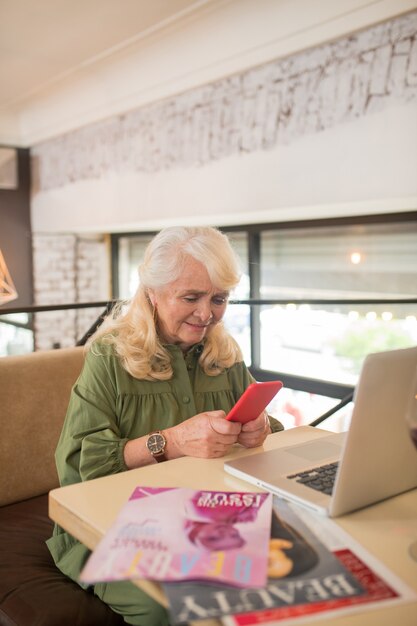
x=156 y=443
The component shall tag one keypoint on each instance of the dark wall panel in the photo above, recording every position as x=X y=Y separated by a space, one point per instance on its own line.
x=15 y=232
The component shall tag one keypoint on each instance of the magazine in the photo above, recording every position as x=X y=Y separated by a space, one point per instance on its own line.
x=323 y=572
x=301 y=570
x=186 y=534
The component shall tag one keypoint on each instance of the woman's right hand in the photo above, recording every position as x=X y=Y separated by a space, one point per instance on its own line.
x=206 y=435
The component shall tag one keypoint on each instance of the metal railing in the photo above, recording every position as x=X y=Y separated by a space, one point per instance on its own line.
x=342 y=392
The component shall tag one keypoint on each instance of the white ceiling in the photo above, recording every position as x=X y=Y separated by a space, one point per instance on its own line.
x=68 y=63
x=43 y=41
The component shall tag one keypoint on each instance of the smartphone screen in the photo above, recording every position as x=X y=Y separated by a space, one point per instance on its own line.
x=253 y=401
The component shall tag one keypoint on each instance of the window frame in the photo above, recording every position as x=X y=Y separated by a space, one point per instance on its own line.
x=253 y=231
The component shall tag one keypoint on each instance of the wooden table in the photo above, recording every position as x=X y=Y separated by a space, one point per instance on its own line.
x=86 y=510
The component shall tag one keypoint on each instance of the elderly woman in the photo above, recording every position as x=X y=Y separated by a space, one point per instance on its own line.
x=159 y=376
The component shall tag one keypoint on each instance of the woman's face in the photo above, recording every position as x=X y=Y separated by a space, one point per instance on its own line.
x=217 y=536
x=188 y=308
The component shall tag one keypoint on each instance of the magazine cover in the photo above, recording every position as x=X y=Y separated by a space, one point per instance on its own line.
x=185 y=534
x=313 y=571
x=301 y=570
x=381 y=586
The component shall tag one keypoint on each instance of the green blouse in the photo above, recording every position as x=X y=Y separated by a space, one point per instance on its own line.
x=108 y=407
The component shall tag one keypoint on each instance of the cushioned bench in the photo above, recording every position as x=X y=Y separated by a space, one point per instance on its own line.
x=35 y=390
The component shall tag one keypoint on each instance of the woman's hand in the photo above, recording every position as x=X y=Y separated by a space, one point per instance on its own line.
x=255 y=432
x=207 y=435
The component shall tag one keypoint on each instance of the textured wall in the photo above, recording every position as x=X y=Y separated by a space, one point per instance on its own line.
x=255 y=110
x=68 y=269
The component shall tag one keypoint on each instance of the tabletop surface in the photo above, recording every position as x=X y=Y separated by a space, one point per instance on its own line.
x=386 y=530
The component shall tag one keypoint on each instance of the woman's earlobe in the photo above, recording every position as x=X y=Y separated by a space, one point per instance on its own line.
x=151 y=299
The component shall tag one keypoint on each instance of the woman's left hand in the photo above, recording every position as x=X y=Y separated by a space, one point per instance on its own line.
x=255 y=432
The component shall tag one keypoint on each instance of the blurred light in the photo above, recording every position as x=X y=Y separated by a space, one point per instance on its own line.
x=353 y=315
x=411 y=319
x=291 y=306
x=387 y=316
x=371 y=316
x=355 y=258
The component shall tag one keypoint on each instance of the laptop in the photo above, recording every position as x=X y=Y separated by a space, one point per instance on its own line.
x=376 y=459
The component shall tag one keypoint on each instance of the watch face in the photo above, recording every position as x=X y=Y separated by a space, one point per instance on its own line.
x=156 y=443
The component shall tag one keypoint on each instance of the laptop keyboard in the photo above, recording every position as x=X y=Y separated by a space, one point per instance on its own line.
x=320 y=478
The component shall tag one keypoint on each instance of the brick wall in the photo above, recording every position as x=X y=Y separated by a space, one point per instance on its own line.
x=68 y=268
x=255 y=110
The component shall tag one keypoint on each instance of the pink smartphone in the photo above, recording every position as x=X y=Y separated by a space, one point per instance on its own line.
x=253 y=401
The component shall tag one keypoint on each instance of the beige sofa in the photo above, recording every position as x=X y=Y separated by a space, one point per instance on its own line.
x=34 y=392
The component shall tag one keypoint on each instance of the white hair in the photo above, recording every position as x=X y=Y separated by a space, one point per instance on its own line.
x=132 y=332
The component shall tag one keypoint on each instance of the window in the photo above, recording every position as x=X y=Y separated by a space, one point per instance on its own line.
x=335 y=290
x=237 y=318
x=16 y=334
x=375 y=262
x=129 y=253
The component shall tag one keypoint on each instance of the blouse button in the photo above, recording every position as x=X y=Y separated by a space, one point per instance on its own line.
x=185 y=399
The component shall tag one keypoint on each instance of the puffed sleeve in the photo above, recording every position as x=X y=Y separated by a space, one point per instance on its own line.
x=275 y=424
x=91 y=444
